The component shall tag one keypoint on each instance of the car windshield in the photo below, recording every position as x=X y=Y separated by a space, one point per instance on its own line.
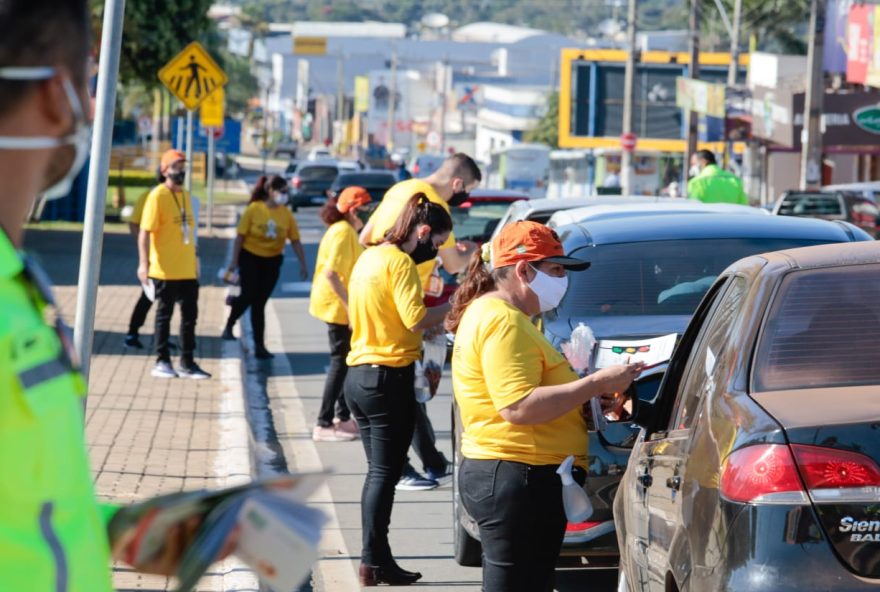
x=656 y=278
x=318 y=173
x=478 y=221
x=822 y=331
x=810 y=204
x=366 y=180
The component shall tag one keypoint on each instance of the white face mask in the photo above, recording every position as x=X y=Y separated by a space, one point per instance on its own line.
x=80 y=138
x=549 y=290
x=694 y=170
x=281 y=198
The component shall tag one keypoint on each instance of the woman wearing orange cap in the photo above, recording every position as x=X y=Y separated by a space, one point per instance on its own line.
x=337 y=253
x=520 y=404
x=263 y=230
x=388 y=316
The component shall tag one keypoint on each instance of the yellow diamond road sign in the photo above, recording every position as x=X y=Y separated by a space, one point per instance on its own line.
x=192 y=75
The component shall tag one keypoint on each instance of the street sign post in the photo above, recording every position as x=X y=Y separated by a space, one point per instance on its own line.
x=192 y=76
x=212 y=115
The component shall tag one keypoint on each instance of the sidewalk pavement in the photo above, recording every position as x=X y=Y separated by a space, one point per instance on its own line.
x=148 y=436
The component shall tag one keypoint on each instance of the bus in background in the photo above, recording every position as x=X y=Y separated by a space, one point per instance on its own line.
x=569 y=174
x=521 y=167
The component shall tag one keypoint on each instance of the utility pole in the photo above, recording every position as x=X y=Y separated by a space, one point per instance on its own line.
x=693 y=73
x=340 y=94
x=733 y=67
x=811 y=137
x=392 y=102
x=629 y=88
x=444 y=98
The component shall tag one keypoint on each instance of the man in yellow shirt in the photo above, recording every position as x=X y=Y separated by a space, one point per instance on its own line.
x=167 y=248
x=448 y=186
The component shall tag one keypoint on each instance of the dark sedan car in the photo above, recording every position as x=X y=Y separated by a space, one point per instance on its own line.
x=375 y=182
x=310 y=182
x=757 y=466
x=647 y=277
x=830 y=205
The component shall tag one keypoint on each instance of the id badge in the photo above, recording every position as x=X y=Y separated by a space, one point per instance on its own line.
x=185 y=233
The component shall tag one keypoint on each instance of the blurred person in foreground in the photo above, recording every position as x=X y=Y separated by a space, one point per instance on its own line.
x=54 y=532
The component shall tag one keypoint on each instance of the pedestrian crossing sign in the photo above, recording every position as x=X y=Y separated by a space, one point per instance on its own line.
x=192 y=75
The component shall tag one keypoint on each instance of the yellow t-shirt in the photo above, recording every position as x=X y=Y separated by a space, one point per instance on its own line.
x=338 y=251
x=390 y=208
x=265 y=229
x=499 y=358
x=138 y=212
x=385 y=302
x=172 y=253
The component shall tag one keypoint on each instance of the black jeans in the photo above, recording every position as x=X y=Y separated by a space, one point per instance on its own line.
x=382 y=400
x=424 y=442
x=168 y=292
x=139 y=314
x=518 y=508
x=258 y=278
x=333 y=399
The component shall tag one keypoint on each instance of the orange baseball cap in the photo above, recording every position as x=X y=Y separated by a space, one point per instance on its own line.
x=531 y=241
x=170 y=157
x=352 y=197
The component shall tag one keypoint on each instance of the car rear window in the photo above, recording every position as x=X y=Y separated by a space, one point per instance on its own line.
x=810 y=204
x=367 y=180
x=318 y=173
x=477 y=222
x=823 y=330
x=656 y=277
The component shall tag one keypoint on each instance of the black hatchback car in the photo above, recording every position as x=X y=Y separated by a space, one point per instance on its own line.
x=648 y=275
x=310 y=182
x=375 y=182
x=757 y=465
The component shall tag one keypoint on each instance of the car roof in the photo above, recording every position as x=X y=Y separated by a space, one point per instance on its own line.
x=645 y=228
x=481 y=192
x=661 y=206
x=567 y=203
x=366 y=173
x=828 y=255
x=317 y=163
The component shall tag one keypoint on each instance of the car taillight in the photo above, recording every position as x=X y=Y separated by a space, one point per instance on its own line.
x=297 y=182
x=762 y=474
x=830 y=468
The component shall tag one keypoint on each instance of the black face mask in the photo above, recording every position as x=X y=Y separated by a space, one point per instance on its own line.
x=458 y=198
x=178 y=178
x=424 y=251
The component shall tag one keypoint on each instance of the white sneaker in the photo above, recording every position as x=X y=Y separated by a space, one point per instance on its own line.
x=331 y=434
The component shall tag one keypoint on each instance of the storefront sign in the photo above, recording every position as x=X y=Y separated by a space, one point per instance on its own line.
x=860 y=42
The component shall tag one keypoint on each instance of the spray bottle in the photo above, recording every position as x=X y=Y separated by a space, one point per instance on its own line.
x=575 y=500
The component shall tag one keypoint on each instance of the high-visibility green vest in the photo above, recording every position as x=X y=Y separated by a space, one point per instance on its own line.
x=715 y=185
x=53 y=535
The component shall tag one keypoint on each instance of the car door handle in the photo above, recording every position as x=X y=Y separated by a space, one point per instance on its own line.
x=674 y=483
x=646 y=480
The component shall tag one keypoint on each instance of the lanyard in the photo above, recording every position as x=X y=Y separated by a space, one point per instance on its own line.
x=184 y=222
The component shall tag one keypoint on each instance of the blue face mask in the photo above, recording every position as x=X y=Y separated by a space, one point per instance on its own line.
x=80 y=138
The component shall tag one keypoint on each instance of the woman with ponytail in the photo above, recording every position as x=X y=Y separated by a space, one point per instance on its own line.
x=388 y=316
x=520 y=404
x=266 y=225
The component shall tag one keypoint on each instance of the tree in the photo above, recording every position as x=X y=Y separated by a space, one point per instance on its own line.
x=547 y=129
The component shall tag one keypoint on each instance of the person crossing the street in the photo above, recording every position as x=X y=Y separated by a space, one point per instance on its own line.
x=520 y=404
x=328 y=302
x=265 y=227
x=168 y=260
x=388 y=315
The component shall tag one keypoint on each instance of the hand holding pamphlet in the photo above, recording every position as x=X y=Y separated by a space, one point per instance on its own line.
x=274 y=531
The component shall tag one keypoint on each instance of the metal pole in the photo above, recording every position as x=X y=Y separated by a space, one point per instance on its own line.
x=189 y=151
x=733 y=67
x=444 y=98
x=389 y=144
x=265 y=148
x=211 y=167
x=93 y=230
x=629 y=88
x=694 y=73
x=811 y=140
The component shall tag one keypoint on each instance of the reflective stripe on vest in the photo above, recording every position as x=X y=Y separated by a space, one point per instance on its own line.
x=43 y=373
x=55 y=546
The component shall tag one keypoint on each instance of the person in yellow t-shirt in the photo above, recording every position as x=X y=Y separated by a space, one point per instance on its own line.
x=448 y=186
x=167 y=249
x=337 y=254
x=387 y=315
x=520 y=404
x=263 y=230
